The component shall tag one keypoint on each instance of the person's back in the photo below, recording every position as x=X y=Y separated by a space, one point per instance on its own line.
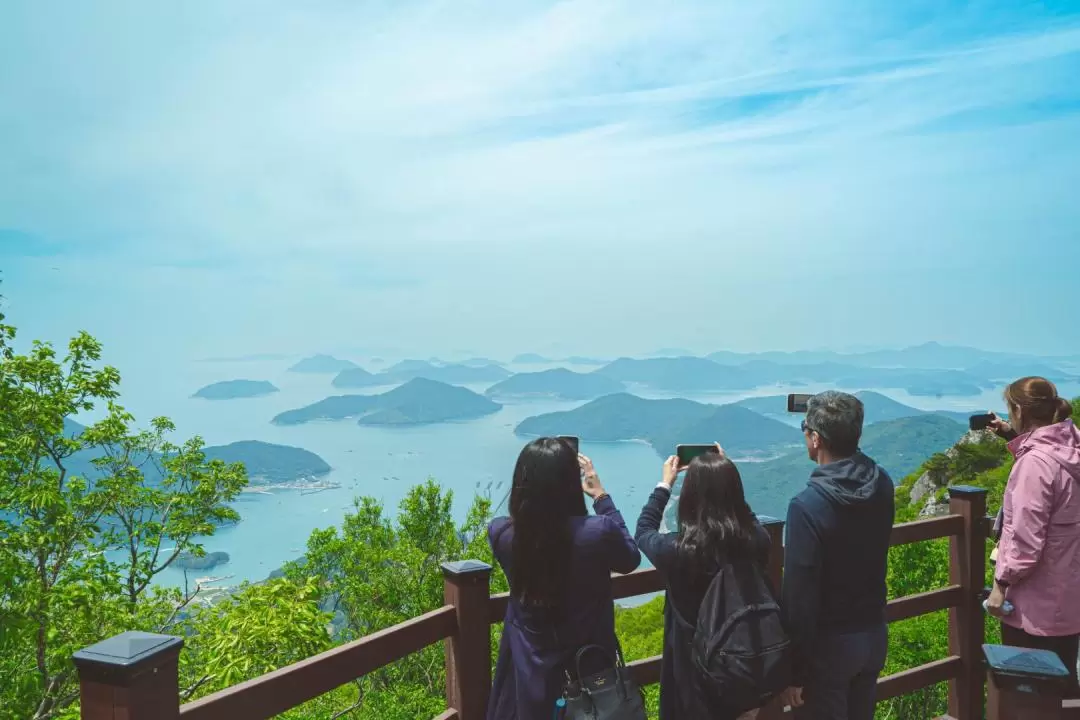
x=715 y=525
x=559 y=562
x=836 y=559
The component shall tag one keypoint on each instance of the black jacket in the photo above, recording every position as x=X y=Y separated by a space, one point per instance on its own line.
x=680 y=699
x=836 y=553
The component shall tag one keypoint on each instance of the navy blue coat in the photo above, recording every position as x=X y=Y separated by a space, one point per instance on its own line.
x=536 y=649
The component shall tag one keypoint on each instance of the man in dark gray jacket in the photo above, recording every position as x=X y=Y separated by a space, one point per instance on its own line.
x=836 y=555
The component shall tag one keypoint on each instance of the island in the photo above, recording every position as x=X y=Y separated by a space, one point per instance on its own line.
x=559 y=383
x=450 y=373
x=209 y=561
x=322 y=365
x=357 y=377
x=269 y=463
x=695 y=374
x=899 y=445
x=876 y=408
x=420 y=401
x=663 y=424
x=530 y=359
x=235 y=389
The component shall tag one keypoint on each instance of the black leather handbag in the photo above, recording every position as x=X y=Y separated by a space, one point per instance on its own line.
x=610 y=694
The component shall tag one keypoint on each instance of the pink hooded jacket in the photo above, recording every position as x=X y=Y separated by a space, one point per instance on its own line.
x=1039 y=550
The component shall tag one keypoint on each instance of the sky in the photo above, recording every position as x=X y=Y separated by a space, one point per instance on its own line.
x=424 y=177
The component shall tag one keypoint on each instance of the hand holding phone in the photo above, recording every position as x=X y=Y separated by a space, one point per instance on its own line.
x=981 y=422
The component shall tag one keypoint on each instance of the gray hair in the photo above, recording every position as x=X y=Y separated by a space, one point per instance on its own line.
x=838 y=419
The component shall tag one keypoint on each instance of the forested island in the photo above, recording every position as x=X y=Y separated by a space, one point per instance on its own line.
x=267 y=462
x=322 y=365
x=419 y=401
x=666 y=423
x=235 y=389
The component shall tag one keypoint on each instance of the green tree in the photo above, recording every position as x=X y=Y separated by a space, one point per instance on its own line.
x=72 y=500
x=374 y=572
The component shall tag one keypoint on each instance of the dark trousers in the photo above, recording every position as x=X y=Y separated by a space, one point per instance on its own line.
x=1065 y=647
x=843 y=678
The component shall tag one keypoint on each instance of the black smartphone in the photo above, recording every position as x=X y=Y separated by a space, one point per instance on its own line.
x=571 y=441
x=980 y=422
x=686 y=453
x=797 y=402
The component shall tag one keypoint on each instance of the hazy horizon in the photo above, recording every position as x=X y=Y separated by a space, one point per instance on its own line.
x=601 y=178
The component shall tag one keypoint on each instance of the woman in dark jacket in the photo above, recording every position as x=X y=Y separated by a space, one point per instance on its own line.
x=714 y=523
x=559 y=561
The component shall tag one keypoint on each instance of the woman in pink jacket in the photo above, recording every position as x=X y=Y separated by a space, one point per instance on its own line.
x=1038 y=558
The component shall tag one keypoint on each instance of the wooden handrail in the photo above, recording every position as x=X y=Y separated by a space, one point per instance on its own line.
x=274 y=693
x=465 y=623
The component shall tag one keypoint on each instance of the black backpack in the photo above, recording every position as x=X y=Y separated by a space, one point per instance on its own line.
x=740 y=650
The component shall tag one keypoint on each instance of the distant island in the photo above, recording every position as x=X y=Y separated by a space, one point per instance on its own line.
x=209 y=561
x=530 y=359
x=558 y=383
x=235 y=389
x=666 y=423
x=450 y=373
x=322 y=364
x=419 y=401
x=270 y=463
x=696 y=374
x=357 y=377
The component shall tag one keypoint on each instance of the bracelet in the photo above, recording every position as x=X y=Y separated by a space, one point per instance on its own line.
x=600 y=497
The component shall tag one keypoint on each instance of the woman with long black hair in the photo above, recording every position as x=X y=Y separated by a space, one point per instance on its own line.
x=559 y=561
x=716 y=525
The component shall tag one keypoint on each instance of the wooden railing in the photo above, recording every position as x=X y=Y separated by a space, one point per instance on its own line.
x=135 y=676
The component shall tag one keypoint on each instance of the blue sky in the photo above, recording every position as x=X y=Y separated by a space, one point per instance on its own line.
x=426 y=177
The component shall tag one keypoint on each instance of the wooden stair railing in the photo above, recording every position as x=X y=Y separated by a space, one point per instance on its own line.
x=134 y=676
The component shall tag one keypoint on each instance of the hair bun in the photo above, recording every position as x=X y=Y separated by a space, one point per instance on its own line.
x=1063 y=411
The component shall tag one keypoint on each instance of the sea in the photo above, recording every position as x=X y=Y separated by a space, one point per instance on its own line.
x=467 y=458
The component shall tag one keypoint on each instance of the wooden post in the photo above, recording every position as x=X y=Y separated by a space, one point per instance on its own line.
x=133 y=676
x=467 y=586
x=1023 y=684
x=967 y=568
x=775 y=528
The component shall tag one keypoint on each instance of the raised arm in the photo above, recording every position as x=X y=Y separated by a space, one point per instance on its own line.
x=622 y=552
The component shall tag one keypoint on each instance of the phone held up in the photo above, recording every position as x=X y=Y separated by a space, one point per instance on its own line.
x=572 y=441
x=980 y=422
x=686 y=453
x=798 y=402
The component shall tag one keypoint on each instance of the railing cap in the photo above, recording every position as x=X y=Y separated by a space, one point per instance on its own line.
x=462 y=568
x=127 y=654
x=962 y=491
x=1024 y=662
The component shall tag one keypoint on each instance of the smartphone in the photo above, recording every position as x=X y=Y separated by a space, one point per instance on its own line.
x=797 y=402
x=686 y=453
x=980 y=422
x=572 y=441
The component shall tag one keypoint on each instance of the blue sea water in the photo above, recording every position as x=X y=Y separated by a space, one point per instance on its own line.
x=466 y=457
